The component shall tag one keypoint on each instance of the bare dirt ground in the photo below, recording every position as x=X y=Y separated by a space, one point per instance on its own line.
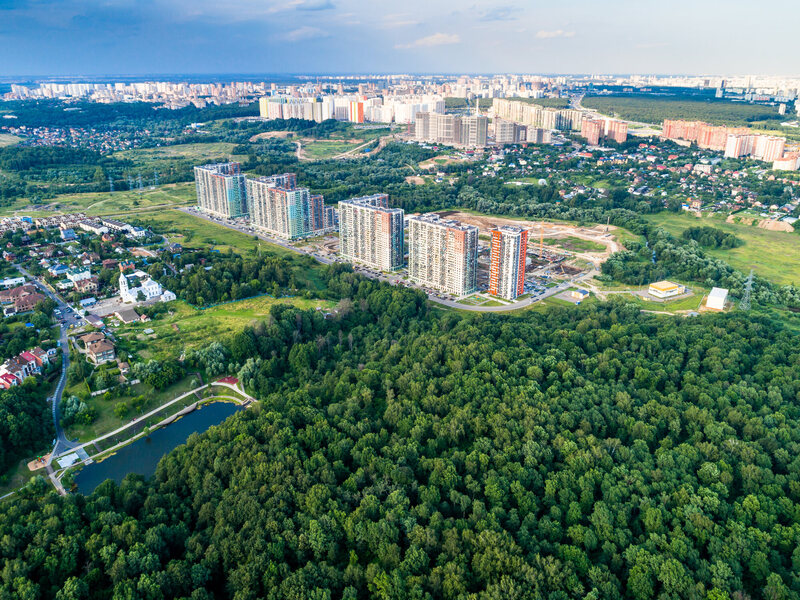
x=768 y=224
x=431 y=162
x=415 y=180
x=270 y=134
x=772 y=225
x=548 y=230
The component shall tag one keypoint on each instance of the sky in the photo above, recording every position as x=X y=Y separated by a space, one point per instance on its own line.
x=103 y=37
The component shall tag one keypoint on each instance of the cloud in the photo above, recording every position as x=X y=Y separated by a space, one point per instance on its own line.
x=316 y=5
x=556 y=33
x=501 y=13
x=398 y=23
x=304 y=33
x=651 y=45
x=437 y=39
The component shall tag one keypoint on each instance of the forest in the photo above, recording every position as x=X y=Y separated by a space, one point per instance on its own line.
x=592 y=452
x=648 y=109
x=712 y=237
x=26 y=424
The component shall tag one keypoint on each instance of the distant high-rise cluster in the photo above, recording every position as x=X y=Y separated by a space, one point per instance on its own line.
x=470 y=131
x=352 y=108
x=596 y=129
x=273 y=204
x=507 y=267
x=443 y=254
x=534 y=115
x=221 y=189
x=735 y=142
x=371 y=233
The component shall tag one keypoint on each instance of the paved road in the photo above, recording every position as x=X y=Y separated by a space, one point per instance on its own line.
x=67 y=318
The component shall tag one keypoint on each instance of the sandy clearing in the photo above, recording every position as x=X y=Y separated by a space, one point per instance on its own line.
x=773 y=225
x=546 y=229
x=271 y=134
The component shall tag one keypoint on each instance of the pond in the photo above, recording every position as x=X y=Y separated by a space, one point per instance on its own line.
x=142 y=456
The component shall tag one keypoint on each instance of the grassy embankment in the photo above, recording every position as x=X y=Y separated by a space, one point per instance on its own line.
x=185 y=327
x=773 y=255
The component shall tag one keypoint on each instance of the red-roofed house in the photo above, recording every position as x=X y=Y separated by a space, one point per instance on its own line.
x=7 y=380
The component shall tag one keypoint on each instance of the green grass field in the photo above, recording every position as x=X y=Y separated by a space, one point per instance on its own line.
x=6 y=139
x=775 y=255
x=575 y=244
x=324 y=149
x=194 y=232
x=188 y=327
x=198 y=152
x=106 y=419
x=122 y=203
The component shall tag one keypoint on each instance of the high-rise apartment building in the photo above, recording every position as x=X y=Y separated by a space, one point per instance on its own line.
x=453 y=130
x=443 y=254
x=507 y=267
x=596 y=129
x=536 y=115
x=371 y=233
x=221 y=189
x=617 y=130
x=287 y=212
x=592 y=130
x=474 y=130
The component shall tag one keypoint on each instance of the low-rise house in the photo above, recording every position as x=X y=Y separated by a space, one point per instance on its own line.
x=10 y=282
x=78 y=274
x=101 y=352
x=87 y=286
x=68 y=235
x=58 y=270
x=7 y=380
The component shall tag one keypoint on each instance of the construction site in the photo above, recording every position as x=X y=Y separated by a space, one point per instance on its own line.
x=556 y=251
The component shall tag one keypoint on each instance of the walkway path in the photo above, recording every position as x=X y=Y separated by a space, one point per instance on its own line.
x=248 y=399
x=62 y=443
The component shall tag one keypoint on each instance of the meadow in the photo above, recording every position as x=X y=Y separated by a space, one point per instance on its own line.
x=6 y=139
x=773 y=255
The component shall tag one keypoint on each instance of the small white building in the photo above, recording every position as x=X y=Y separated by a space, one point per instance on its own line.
x=10 y=282
x=716 y=299
x=665 y=289
x=130 y=285
x=76 y=275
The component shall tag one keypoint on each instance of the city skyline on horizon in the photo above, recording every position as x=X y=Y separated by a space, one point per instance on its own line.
x=93 y=38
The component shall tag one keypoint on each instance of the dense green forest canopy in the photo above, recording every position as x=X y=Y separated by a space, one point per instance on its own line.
x=712 y=237
x=649 y=109
x=592 y=452
x=126 y=116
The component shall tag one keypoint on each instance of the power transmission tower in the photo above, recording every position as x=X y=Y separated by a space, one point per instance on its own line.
x=155 y=178
x=130 y=182
x=744 y=304
x=140 y=183
x=110 y=185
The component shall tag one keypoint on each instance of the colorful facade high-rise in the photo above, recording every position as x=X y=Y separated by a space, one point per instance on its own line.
x=443 y=254
x=507 y=267
x=221 y=189
x=371 y=233
x=285 y=212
